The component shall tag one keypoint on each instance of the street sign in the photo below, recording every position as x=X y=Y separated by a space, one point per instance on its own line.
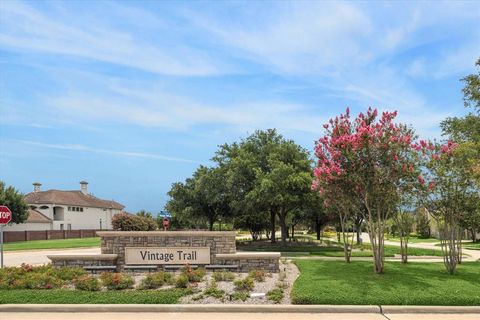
x=5 y=215
x=166 y=224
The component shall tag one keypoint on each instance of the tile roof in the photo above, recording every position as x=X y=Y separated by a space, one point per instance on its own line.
x=35 y=216
x=70 y=198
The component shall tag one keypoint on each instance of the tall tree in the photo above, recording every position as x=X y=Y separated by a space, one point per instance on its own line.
x=201 y=197
x=266 y=173
x=365 y=163
x=14 y=200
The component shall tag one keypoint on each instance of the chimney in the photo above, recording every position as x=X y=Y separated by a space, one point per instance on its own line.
x=84 y=187
x=36 y=186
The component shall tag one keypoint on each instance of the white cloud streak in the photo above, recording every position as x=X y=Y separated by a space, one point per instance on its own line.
x=83 y=148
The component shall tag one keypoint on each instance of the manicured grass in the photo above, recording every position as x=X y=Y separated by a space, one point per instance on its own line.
x=336 y=282
x=62 y=296
x=472 y=245
x=413 y=239
x=52 y=244
x=334 y=251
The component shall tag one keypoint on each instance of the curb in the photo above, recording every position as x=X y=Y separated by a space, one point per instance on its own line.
x=188 y=308
x=218 y=308
x=430 y=309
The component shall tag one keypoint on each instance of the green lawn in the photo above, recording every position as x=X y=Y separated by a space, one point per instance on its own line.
x=472 y=245
x=336 y=282
x=333 y=251
x=52 y=244
x=62 y=296
x=413 y=239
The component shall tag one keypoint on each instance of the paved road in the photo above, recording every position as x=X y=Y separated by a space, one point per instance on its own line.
x=234 y=316
x=38 y=257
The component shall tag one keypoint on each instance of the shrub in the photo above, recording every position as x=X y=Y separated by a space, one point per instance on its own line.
x=223 y=275
x=155 y=280
x=67 y=273
x=87 y=283
x=275 y=295
x=257 y=275
x=213 y=291
x=116 y=281
x=240 y=295
x=34 y=280
x=128 y=222
x=194 y=275
x=181 y=281
x=245 y=284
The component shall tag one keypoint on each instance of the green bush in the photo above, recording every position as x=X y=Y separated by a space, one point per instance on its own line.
x=223 y=275
x=181 y=281
x=116 y=281
x=257 y=275
x=129 y=222
x=34 y=280
x=194 y=275
x=155 y=280
x=213 y=291
x=87 y=283
x=240 y=295
x=275 y=295
x=245 y=284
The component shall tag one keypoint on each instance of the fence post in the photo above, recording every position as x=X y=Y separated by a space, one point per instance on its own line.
x=81 y=233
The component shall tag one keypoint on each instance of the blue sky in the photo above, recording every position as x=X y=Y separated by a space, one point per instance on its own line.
x=133 y=96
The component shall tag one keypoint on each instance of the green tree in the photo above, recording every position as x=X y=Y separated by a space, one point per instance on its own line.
x=14 y=200
x=203 y=197
x=422 y=224
x=404 y=225
x=471 y=90
x=143 y=213
x=315 y=213
x=266 y=173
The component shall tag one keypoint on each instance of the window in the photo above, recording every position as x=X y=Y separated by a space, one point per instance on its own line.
x=69 y=208
x=61 y=226
x=44 y=207
x=69 y=226
x=81 y=209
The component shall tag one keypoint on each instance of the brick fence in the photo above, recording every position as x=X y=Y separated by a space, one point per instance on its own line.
x=15 y=236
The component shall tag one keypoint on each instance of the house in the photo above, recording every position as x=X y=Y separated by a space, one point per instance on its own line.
x=67 y=210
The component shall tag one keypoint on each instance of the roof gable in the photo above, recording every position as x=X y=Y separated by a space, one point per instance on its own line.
x=70 y=198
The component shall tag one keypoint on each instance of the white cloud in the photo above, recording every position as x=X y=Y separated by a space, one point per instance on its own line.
x=87 y=149
x=24 y=28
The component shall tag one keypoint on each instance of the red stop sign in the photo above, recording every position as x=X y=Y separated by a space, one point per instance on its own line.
x=5 y=215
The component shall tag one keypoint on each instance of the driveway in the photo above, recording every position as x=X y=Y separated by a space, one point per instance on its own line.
x=39 y=257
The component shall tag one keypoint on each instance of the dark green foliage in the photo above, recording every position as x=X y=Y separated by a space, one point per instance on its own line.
x=128 y=222
x=192 y=274
x=275 y=295
x=87 y=283
x=13 y=199
x=213 y=291
x=181 y=281
x=335 y=282
x=62 y=296
x=116 y=281
x=155 y=280
x=240 y=295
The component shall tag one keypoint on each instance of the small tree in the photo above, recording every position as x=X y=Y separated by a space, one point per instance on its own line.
x=14 y=200
x=422 y=224
x=404 y=224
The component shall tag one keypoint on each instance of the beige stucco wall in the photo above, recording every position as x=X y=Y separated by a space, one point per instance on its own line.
x=28 y=227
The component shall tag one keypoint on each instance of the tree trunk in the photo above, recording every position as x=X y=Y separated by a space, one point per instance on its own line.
x=474 y=235
x=284 y=231
x=317 y=229
x=272 y=226
x=210 y=224
x=358 y=229
x=293 y=231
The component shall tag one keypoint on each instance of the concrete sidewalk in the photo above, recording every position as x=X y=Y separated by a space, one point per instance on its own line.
x=39 y=257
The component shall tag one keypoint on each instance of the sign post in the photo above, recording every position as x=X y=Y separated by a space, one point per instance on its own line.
x=5 y=217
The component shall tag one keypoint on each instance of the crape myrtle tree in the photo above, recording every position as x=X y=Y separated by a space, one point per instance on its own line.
x=266 y=173
x=14 y=200
x=201 y=198
x=449 y=191
x=365 y=163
